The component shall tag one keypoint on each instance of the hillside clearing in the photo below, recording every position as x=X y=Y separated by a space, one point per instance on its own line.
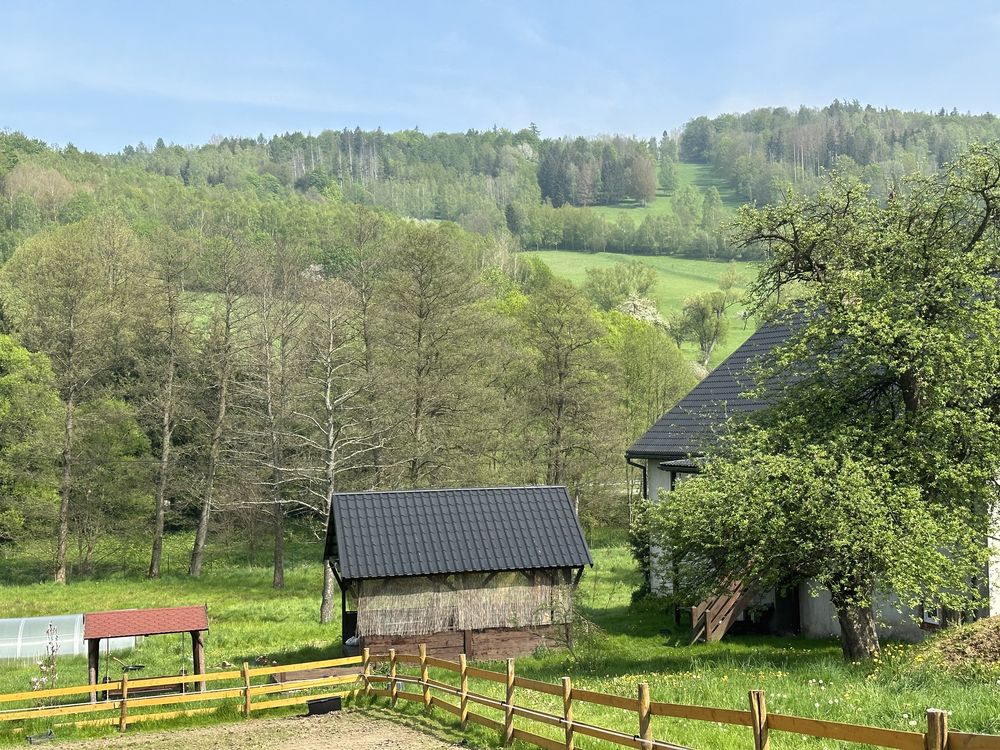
x=677 y=280
x=699 y=176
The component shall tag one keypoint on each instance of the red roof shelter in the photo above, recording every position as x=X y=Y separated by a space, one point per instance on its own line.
x=123 y=623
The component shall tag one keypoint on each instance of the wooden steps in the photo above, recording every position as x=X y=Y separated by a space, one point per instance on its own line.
x=711 y=619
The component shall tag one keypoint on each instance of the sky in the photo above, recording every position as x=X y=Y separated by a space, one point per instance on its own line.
x=102 y=75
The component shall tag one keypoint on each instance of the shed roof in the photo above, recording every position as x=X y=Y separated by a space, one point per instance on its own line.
x=128 y=622
x=426 y=532
x=693 y=426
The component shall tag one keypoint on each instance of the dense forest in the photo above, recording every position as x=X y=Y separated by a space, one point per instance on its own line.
x=761 y=152
x=192 y=357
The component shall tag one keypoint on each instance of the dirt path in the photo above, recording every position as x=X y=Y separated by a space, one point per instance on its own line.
x=353 y=730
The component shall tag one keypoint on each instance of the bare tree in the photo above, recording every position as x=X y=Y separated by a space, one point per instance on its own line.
x=227 y=258
x=169 y=265
x=338 y=428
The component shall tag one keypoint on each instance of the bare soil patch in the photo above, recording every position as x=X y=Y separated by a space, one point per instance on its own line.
x=353 y=730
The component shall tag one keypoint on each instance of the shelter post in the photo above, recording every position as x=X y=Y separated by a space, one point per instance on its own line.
x=198 y=655
x=93 y=664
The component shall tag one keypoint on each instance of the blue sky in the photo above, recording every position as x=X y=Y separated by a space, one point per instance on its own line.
x=105 y=74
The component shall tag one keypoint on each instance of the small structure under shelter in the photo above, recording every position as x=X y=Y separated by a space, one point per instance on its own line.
x=488 y=572
x=99 y=626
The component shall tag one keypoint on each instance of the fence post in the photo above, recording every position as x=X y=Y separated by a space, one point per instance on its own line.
x=937 y=729
x=123 y=716
x=567 y=690
x=393 y=688
x=366 y=670
x=245 y=674
x=758 y=715
x=463 y=686
x=645 y=725
x=508 y=706
x=423 y=676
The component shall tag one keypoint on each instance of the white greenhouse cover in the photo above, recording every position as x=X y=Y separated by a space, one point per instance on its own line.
x=26 y=637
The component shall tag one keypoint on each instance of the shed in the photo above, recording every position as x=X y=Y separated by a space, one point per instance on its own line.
x=485 y=571
x=123 y=623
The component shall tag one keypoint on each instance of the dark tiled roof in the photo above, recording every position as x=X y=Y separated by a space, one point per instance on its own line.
x=127 y=622
x=423 y=532
x=692 y=427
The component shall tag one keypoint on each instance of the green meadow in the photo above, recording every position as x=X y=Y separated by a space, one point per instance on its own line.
x=617 y=645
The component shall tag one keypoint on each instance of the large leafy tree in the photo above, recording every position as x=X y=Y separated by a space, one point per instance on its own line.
x=874 y=470
x=29 y=409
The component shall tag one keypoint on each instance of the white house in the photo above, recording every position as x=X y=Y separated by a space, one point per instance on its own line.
x=669 y=452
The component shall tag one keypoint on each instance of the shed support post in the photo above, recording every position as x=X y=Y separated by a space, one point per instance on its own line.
x=198 y=655
x=93 y=665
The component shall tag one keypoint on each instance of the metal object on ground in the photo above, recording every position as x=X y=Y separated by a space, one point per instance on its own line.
x=323 y=705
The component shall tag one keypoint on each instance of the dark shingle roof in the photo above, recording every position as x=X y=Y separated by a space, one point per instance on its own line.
x=423 y=532
x=692 y=427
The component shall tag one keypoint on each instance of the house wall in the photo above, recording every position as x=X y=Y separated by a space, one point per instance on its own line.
x=818 y=617
x=657 y=479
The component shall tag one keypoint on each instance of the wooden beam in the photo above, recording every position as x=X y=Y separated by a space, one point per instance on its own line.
x=93 y=664
x=198 y=654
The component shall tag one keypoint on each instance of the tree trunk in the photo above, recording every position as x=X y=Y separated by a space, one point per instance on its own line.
x=278 y=580
x=326 y=605
x=65 y=487
x=166 y=437
x=201 y=535
x=858 y=636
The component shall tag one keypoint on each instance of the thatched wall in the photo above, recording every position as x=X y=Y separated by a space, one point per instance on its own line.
x=410 y=606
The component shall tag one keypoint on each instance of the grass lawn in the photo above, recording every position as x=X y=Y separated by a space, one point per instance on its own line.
x=618 y=646
x=677 y=279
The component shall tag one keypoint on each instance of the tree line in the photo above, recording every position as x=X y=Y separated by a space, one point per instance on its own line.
x=762 y=151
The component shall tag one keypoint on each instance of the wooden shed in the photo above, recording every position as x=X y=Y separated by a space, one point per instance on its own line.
x=485 y=571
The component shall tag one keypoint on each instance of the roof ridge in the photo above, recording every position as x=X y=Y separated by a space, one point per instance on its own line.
x=460 y=489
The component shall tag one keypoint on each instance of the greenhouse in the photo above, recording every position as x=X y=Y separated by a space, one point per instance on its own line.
x=28 y=637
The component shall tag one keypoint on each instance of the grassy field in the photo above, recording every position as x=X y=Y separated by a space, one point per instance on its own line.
x=700 y=176
x=677 y=279
x=617 y=645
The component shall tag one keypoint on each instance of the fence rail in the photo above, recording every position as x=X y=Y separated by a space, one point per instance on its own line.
x=756 y=717
x=303 y=690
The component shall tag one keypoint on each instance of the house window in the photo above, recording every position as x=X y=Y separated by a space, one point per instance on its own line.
x=930 y=617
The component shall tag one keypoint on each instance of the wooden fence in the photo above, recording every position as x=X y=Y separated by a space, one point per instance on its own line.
x=756 y=717
x=128 y=709
x=122 y=708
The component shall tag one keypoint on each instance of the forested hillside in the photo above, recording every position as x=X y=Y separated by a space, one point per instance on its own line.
x=193 y=357
x=224 y=335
